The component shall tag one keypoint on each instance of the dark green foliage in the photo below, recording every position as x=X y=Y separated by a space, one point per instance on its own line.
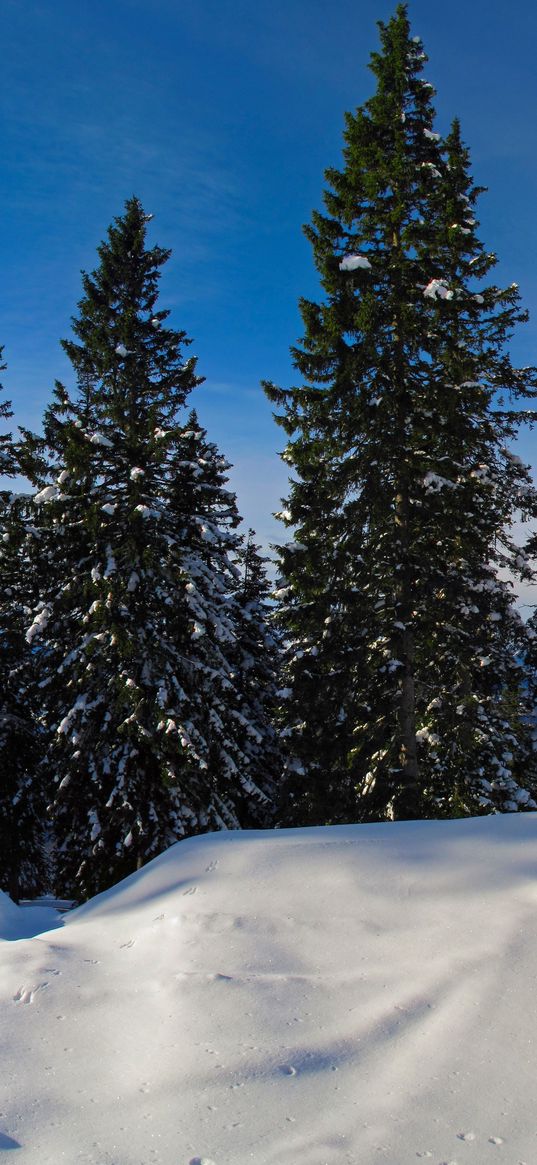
x=137 y=622
x=403 y=694
x=258 y=655
x=7 y=453
x=22 y=799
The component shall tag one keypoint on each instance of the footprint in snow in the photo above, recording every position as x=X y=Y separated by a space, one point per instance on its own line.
x=211 y=866
x=288 y=1070
x=495 y=1140
x=191 y=890
x=26 y=994
x=201 y=1161
x=466 y=1136
x=130 y=943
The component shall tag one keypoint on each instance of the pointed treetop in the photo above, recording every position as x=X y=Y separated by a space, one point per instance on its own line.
x=6 y=452
x=397 y=45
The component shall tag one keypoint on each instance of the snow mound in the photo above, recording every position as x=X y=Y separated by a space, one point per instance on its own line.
x=299 y=997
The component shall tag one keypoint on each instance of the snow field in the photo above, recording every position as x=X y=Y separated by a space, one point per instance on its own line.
x=353 y=995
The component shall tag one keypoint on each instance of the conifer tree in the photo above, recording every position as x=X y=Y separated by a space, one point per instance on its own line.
x=7 y=456
x=22 y=801
x=258 y=660
x=404 y=692
x=230 y=716
x=132 y=628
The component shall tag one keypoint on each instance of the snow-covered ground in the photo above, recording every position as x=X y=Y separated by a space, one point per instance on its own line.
x=355 y=994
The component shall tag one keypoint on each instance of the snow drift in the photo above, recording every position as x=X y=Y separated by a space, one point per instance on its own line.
x=353 y=995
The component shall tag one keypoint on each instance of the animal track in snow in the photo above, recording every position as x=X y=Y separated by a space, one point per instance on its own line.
x=211 y=866
x=191 y=890
x=466 y=1136
x=130 y=943
x=26 y=994
x=495 y=1140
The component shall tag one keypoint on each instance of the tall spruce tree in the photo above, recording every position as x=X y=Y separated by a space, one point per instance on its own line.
x=404 y=692
x=258 y=657
x=7 y=456
x=22 y=800
x=134 y=628
x=231 y=709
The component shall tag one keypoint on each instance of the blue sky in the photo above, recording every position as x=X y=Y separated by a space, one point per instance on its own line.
x=221 y=115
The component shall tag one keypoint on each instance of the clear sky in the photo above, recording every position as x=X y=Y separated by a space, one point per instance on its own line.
x=221 y=115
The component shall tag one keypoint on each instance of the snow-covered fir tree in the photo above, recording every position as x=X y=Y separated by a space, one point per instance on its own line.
x=22 y=799
x=259 y=653
x=7 y=453
x=135 y=638
x=230 y=724
x=404 y=694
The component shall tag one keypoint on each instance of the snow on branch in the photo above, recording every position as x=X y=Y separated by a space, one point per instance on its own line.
x=48 y=494
x=353 y=262
x=437 y=289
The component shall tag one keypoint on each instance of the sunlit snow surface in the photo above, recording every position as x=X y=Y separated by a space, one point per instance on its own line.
x=345 y=995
